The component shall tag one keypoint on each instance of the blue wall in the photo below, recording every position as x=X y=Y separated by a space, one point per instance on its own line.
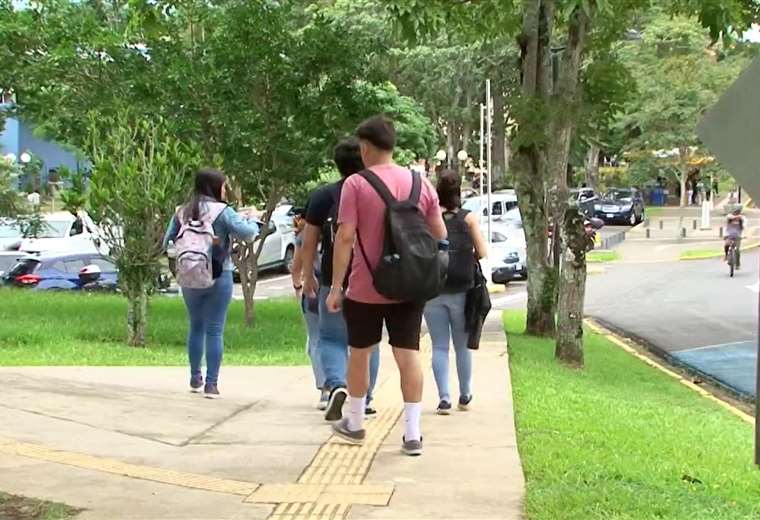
x=51 y=154
x=17 y=137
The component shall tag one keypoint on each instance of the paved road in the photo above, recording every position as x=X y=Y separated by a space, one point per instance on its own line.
x=691 y=310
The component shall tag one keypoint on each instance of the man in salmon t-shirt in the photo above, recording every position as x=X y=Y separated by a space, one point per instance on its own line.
x=362 y=220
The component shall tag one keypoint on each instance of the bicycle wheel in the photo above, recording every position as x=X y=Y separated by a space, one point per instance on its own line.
x=731 y=261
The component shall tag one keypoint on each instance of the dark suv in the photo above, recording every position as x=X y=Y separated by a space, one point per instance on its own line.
x=621 y=206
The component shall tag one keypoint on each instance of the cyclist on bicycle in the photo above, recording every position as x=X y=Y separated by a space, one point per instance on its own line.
x=735 y=223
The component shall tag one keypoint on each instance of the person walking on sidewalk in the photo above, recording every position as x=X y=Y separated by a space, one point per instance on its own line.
x=206 y=220
x=364 y=224
x=445 y=315
x=309 y=307
x=321 y=217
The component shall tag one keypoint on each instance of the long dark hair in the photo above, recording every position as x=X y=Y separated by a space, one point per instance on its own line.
x=208 y=184
x=449 y=189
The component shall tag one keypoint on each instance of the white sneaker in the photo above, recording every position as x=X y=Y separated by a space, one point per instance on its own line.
x=324 y=398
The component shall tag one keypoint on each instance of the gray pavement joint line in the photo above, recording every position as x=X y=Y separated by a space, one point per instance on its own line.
x=238 y=411
x=88 y=425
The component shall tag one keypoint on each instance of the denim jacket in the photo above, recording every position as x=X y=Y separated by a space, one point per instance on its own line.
x=227 y=226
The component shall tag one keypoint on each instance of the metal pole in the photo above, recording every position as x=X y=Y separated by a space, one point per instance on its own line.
x=480 y=162
x=489 y=121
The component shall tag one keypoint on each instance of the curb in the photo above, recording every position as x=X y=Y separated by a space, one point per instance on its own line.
x=621 y=342
x=718 y=256
x=595 y=269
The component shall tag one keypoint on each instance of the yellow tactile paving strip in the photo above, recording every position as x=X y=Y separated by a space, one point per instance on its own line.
x=161 y=475
x=338 y=470
x=326 y=490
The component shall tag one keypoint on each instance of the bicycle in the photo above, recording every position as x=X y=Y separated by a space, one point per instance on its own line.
x=733 y=256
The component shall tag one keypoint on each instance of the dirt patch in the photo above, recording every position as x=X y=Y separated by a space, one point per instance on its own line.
x=14 y=507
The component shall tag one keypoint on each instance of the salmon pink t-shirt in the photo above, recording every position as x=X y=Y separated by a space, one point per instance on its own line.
x=361 y=205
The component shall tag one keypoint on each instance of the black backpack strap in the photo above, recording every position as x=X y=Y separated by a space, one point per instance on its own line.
x=414 y=197
x=379 y=186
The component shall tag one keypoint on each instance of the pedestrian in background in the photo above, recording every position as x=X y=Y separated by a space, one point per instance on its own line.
x=445 y=315
x=207 y=216
x=321 y=227
x=309 y=307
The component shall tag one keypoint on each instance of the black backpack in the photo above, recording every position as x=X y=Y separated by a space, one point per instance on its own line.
x=411 y=269
x=461 y=251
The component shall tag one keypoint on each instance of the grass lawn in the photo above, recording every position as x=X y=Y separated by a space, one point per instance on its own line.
x=708 y=254
x=620 y=440
x=600 y=257
x=21 y=508
x=80 y=329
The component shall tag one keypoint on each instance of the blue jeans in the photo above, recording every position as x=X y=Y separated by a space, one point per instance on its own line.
x=333 y=347
x=445 y=320
x=207 y=309
x=312 y=342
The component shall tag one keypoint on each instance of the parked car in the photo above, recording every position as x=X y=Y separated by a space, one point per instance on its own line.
x=279 y=249
x=503 y=205
x=622 y=206
x=586 y=200
x=58 y=271
x=65 y=233
x=8 y=259
x=508 y=257
x=10 y=235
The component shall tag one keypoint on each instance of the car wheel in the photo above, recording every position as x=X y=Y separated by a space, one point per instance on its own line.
x=287 y=262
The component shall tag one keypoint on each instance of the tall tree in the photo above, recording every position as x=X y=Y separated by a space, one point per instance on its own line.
x=661 y=116
x=553 y=37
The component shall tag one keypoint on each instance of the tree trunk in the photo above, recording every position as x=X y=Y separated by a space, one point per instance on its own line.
x=247 y=258
x=572 y=283
x=249 y=277
x=592 y=168
x=529 y=165
x=572 y=236
x=499 y=158
x=137 y=316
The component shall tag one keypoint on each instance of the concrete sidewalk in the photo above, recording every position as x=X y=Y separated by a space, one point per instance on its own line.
x=132 y=443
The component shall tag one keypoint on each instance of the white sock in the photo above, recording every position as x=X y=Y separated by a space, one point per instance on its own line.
x=412 y=412
x=355 y=416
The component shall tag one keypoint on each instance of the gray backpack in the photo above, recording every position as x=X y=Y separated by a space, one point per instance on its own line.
x=194 y=242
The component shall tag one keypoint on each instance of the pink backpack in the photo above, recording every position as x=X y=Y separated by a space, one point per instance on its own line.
x=193 y=244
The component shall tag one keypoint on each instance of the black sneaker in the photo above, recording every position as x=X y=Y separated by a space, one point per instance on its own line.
x=196 y=383
x=444 y=408
x=354 y=437
x=464 y=403
x=211 y=391
x=369 y=411
x=334 y=410
x=412 y=448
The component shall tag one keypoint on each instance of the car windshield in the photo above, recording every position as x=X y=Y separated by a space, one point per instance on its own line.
x=620 y=195
x=9 y=231
x=54 y=229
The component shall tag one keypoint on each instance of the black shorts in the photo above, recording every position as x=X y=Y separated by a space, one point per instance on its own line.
x=365 y=323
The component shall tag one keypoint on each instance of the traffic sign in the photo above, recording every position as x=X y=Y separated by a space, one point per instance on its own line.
x=731 y=130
